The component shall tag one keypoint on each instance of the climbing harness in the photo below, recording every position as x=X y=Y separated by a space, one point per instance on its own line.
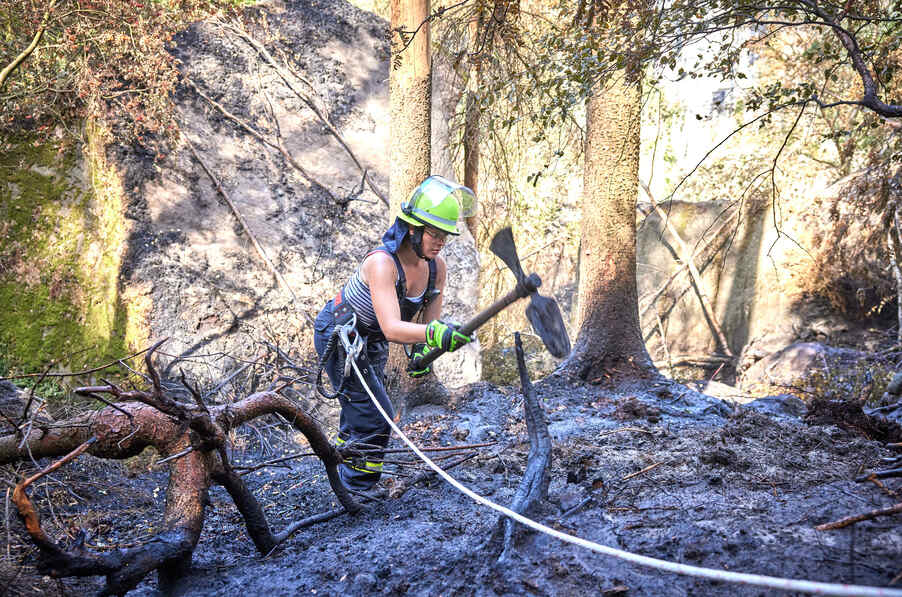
x=773 y=582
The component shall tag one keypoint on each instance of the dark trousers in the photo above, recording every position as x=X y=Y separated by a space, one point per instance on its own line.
x=360 y=424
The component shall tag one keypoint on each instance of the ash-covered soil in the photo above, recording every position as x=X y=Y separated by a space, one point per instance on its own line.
x=723 y=487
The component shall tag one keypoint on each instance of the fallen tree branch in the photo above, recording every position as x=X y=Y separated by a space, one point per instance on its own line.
x=682 y=268
x=686 y=257
x=401 y=488
x=700 y=360
x=643 y=471
x=260 y=137
x=192 y=436
x=534 y=484
x=77 y=373
x=849 y=520
x=307 y=522
x=280 y=144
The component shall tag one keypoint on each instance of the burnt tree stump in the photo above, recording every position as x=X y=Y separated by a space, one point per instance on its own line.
x=534 y=484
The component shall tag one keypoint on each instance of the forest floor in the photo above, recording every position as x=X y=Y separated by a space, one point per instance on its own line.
x=670 y=474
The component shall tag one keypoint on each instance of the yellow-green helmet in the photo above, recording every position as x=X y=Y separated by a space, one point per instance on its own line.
x=439 y=203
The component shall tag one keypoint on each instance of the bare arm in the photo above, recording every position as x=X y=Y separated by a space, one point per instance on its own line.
x=379 y=270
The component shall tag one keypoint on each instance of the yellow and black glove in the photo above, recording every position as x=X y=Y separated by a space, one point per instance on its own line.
x=445 y=335
x=417 y=352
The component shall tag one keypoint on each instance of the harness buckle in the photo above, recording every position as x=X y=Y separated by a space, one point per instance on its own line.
x=354 y=347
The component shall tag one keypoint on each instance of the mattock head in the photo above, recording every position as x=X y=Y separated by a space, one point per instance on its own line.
x=542 y=312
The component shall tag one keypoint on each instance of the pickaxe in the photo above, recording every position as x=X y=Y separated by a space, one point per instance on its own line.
x=542 y=312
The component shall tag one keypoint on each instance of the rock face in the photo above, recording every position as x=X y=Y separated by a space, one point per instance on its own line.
x=800 y=368
x=210 y=288
x=768 y=284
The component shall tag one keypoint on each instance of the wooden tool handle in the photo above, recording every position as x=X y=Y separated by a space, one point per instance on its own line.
x=530 y=284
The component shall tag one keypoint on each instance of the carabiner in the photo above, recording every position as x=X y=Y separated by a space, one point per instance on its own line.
x=354 y=347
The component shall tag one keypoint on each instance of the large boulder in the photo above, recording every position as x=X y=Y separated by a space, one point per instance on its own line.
x=805 y=369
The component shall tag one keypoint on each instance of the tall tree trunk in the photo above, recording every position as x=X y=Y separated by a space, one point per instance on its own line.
x=410 y=97
x=609 y=342
x=471 y=122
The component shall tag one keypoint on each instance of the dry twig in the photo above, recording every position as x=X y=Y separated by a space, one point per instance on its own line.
x=686 y=257
x=849 y=520
x=262 y=51
x=269 y=264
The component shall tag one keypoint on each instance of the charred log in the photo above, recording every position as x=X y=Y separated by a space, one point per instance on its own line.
x=534 y=484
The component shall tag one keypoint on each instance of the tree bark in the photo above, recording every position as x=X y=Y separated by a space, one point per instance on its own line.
x=410 y=99
x=471 y=122
x=609 y=341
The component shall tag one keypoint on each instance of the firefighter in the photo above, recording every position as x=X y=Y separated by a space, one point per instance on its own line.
x=396 y=285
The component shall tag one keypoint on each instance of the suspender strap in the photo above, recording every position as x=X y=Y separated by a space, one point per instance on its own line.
x=401 y=283
x=431 y=293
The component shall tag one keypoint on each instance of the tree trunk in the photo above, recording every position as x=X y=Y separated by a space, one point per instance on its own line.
x=471 y=124
x=410 y=97
x=609 y=341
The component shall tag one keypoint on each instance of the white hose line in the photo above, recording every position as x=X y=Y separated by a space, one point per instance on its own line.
x=773 y=582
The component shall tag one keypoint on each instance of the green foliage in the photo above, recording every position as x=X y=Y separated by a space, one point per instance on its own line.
x=863 y=382
x=53 y=390
x=105 y=59
x=59 y=262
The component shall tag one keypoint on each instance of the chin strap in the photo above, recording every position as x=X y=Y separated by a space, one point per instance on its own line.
x=416 y=241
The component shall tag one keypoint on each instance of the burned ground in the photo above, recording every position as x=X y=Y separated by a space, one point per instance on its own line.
x=705 y=484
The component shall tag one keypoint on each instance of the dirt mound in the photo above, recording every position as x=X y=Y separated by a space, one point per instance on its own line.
x=850 y=416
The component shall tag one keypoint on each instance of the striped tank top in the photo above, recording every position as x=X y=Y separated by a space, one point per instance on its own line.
x=357 y=293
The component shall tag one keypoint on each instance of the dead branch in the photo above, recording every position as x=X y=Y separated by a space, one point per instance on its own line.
x=663 y=334
x=306 y=522
x=280 y=145
x=643 y=471
x=9 y=68
x=192 y=436
x=260 y=252
x=306 y=99
x=844 y=522
x=534 y=484
x=715 y=237
x=77 y=373
x=260 y=137
x=693 y=360
x=401 y=488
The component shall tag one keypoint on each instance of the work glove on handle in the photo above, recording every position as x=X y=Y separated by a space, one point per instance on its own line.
x=417 y=352
x=445 y=335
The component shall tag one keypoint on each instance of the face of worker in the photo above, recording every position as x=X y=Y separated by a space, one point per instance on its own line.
x=433 y=241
